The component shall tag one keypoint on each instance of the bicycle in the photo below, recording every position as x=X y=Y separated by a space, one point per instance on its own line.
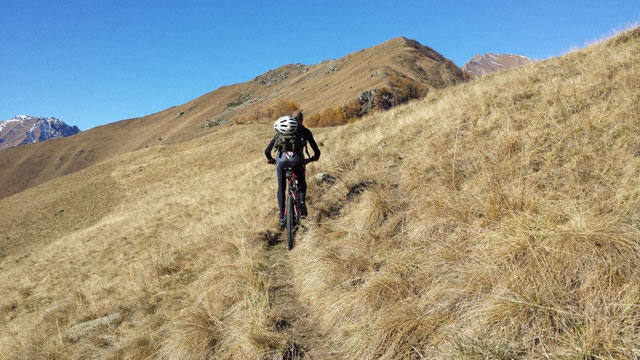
x=292 y=203
x=292 y=206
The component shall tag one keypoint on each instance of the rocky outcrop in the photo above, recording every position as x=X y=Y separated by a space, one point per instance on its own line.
x=275 y=76
x=366 y=100
x=375 y=98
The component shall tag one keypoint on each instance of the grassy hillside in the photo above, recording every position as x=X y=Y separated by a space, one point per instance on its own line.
x=502 y=223
x=498 y=218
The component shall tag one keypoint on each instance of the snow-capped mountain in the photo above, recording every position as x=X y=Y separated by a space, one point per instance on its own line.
x=25 y=129
x=489 y=63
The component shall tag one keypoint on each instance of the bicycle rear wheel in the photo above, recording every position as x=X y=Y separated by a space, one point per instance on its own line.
x=290 y=224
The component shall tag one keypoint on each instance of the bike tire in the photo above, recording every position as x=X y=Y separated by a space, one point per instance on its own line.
x=290 y=224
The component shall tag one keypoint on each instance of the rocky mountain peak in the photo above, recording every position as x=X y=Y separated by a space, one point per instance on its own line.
x=27 y=129
x=488 y=63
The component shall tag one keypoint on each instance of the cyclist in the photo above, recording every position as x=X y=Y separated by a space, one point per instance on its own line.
x=290 y=154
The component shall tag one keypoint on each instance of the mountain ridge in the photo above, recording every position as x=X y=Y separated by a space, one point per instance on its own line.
x=316 y=87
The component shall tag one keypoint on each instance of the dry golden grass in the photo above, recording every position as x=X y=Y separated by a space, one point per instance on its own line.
x=177 y=255
x=502 y=223
x=495 y=219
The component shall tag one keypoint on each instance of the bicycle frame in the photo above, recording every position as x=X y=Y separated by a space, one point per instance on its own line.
x=292 y=203
x=291 y=211
x=292 y=191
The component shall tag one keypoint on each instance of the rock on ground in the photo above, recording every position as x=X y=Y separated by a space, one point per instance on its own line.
x=324 y=177
x=80 y=330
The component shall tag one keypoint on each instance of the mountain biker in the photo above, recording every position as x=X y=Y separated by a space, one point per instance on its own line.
x=291 y=126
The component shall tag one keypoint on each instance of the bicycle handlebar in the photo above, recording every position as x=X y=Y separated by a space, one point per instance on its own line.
x=306 y=161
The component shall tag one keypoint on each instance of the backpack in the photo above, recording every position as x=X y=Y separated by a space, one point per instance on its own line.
x=294 y=142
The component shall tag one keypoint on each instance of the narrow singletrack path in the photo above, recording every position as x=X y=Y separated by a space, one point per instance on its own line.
x=304 y=339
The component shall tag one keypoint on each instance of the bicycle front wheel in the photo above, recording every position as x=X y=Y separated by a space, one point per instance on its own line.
x=290 y=220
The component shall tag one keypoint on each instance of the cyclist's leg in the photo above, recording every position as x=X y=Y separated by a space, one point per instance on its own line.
x=302 y=185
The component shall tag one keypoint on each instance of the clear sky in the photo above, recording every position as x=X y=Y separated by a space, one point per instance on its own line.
x=91 y=62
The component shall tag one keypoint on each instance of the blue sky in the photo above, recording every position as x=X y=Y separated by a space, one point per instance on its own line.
x=91 y=62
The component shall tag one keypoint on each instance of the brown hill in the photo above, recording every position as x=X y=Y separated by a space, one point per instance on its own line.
x=489 y=63
x=314 y=87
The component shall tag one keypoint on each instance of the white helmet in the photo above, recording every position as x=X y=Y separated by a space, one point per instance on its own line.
x=286 y=125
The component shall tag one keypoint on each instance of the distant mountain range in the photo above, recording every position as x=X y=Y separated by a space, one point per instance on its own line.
x=25 y=129
x=489 y=63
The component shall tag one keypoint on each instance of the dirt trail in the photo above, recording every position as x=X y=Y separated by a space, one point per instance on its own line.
x=304 y=339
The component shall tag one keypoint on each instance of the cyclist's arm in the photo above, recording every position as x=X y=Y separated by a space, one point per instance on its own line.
x=267 y=151
x=314 y=146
